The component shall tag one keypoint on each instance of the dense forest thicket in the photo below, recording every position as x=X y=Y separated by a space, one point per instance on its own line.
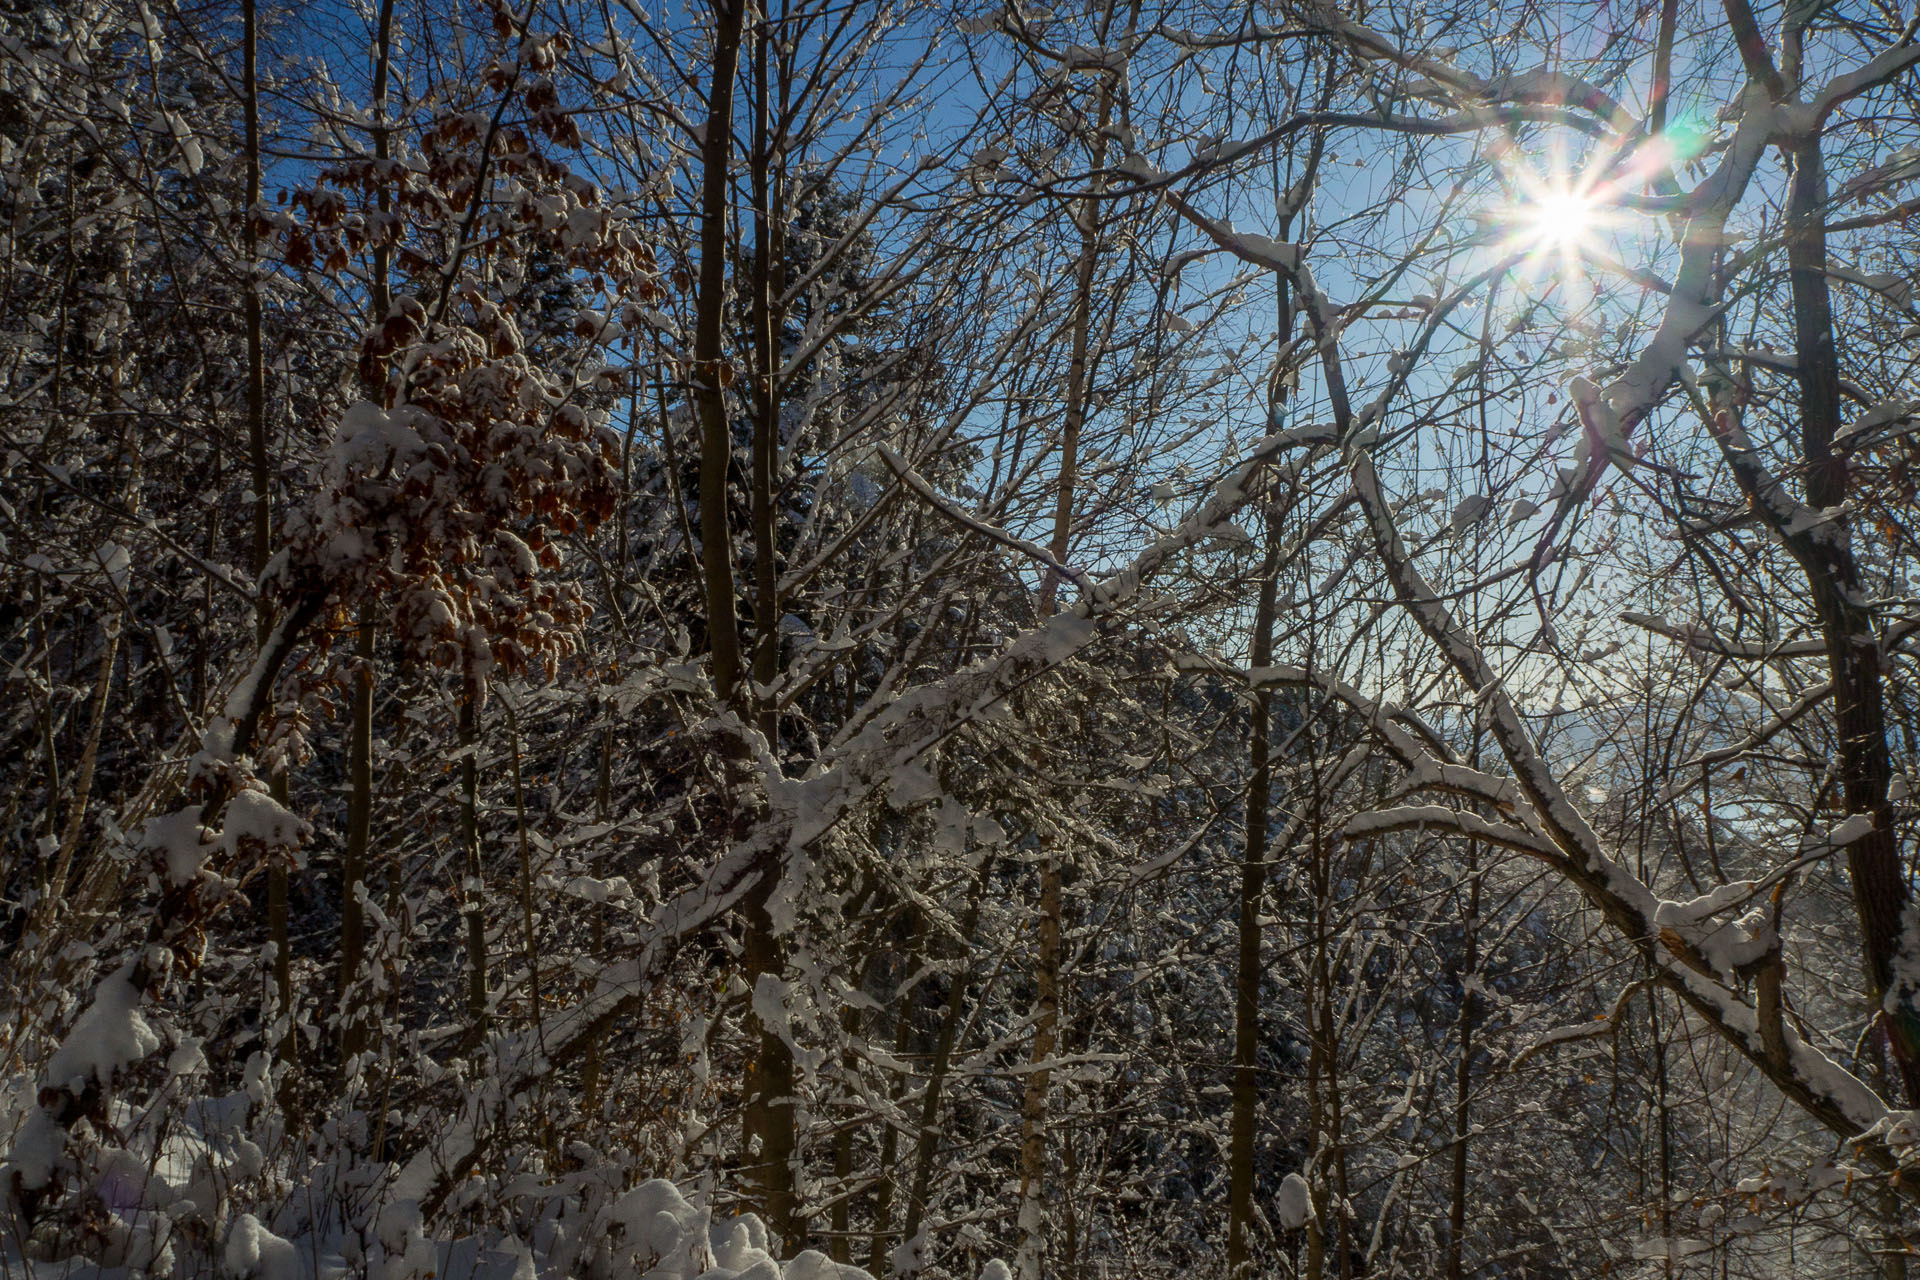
x=859 y=638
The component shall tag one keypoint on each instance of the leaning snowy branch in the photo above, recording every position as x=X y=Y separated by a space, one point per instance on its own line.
x=1691 y=955
x=975 y=524
x=1604 y=1025
x=1679 y=949
x=805 y=809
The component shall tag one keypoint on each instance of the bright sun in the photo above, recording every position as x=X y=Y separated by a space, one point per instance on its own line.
x=1561 y=219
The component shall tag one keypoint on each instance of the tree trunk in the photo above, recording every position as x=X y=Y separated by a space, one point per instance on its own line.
x=1030 y=1256
x=1253 y=878
x=769 y=1125
x=927 y=1147
x=1327 y=1138
x=771 y=1118
x=890 y=1139
x=353 y=868
x=590 y=1067
x=1880 y=893
x=840 y=1221
x=472 y=902
x=711 y=373
x=1074 y=417
x=1463 y=1074
x=768 y=254
x=353 y=864
x=261 y=480
x=1244 y=1125
x=258 y=473
x=75 y=826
